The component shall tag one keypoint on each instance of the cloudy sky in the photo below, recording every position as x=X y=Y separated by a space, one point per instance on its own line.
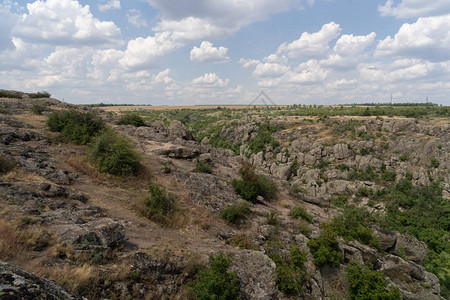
x=227 y=51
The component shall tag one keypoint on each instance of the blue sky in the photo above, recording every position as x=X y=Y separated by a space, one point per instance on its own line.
x=227 y=51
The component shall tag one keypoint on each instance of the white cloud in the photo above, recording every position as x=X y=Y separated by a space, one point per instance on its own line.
x=209 y=54
x=146 y=52
x=111 y=4
x=270 y=70
x=65 y=22
x=415 y=8
x=248 y=63
x=311 y=45
x=426 y=38
x=211 y=79
x=191 y=20
x=135 y=18
x=309 y=73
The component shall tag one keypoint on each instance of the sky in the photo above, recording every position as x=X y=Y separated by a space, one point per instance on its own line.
x=186 y=52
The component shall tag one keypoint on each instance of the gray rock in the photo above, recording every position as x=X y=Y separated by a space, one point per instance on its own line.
x=410 y=247
x=340 y=151
x=256 y=272
x=282 y=171
x=19 y=284
x=258 y=159
x=179 y=130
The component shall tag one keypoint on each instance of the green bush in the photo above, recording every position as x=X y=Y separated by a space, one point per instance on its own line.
x=353 y=225
x=8 y=94
x=299 y=212
x=43 y=94
x=290 y=273
x=235 y=214
x=252 y=185
x=112 y=153
x=131 y=119
x=75 y=126
x=366 y=284
x=203 y=167
x=160 y=206
x=325 y=249
x=434 y=163
x=38 y=108
x=264 y=138
x=216 y=283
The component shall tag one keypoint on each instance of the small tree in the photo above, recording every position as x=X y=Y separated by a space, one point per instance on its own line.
x=112 y=153
x=216 y=283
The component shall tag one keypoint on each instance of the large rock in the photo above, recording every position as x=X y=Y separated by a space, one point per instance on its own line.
x=179 y=130
x=103 y=232
x=410 y=247
x=19 y=284
x=340 y=151
x=256 y=272
x=282 y=171
x=386 y=238
x=412 y=279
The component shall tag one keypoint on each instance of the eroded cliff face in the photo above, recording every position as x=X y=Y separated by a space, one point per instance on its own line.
x=64 y=221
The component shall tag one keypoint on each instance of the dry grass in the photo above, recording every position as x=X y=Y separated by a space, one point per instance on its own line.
x=21 y=175
x=17 y=238
x=75 y=278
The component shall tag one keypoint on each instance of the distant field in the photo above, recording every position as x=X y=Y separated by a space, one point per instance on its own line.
x=170 y=107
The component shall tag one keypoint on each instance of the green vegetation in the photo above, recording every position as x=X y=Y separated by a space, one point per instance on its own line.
x=434 y=163
x=38 y=108
x=264 y=138
x=325 y=249
x=252 y=185
x=43 y=94
x=216 y=283
x=290 y=274
x=160 y=206
x=8 y=94
x=75 y=126
x=366 y=284
x=299 y=212
x=112 y=153
x=235 y=214
x=203 y=167
x=131 y=119
x=353 y=225
x=422 y=212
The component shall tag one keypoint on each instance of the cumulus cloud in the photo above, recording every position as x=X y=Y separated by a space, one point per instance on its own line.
x=146 y=52
x=65 y=22
x=209 y=54
x=312 y=45
x=248 y=63
x=414 y=8
x=211 y=79
x=309 y=73
x=135 y=18
x=270 y=70
x=111 y=4
x=191 y=20
x=427 y=38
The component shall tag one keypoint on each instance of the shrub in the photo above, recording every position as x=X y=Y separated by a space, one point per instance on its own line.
x=43 y=94
x=252 y=185
x=203 y=167
x=352 y=225
x=290 y=274
x=299 y=212
x=38 y=108
x=235 y=214
x=6 y=165
x=131 y=119
x=366 y=284
x=216 y=283
x=160 y=206
x=243 y=242
x=404 y=157
x=272 y=218
x=325 y=249
x=75 y=126
x=434 y=163
x=112 y=153
x=9 y=94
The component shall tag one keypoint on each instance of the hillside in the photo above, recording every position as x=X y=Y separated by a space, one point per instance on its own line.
x=294 y=202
